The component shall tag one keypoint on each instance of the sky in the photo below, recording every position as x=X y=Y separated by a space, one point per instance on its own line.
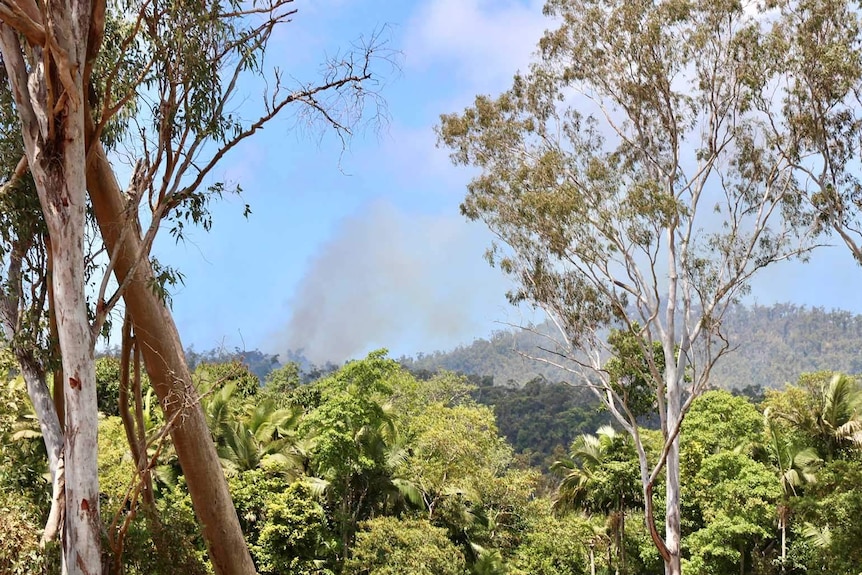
x=346 y=251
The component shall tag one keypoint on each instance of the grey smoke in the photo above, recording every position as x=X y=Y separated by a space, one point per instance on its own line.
x=388 y=277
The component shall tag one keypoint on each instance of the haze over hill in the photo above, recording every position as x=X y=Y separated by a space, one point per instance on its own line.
x=773 y=346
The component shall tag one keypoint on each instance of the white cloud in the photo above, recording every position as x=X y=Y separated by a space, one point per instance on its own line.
x=484 y=40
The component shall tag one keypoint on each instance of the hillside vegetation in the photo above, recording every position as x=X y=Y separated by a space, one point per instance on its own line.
x=781 y=342
x=370 y=470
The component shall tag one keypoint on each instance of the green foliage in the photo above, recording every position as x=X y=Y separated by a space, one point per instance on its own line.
x=23 y=460
x=736 y=497
x=108 y=385
x=631 y=372
x=391 y=546
x=293 y=539
x=730 y=499
x=411 y=396
x=559 y=545
x=722 y=547
x=165 y=542
x=641 y=555
x=383 y=473
x=354 y=440
x=454 y=447
x=262 y=437
x=352 y=425
x=827 y=408
x=735 y=485
x=19 y=546
x=827 y=529
x=179 y=546
x=280 y=382
x=116 y=468
x=508 y=505
x=210 y=376
x=287 y=529
x=718 y=421
x=541 y=419
x=601 y=474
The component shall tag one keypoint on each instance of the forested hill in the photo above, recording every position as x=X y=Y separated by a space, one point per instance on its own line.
x=774 y=344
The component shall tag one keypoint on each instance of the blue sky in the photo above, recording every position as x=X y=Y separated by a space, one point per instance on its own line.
x=349 y=251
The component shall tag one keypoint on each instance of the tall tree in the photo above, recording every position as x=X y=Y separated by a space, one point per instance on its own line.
x=818 y=124
x=48 y=50
x=25 y=296
x=191 y=58
x=632 y=184
x=194 y=57
x=796 y=464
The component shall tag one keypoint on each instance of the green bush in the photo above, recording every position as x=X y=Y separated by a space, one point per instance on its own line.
x=391 y=546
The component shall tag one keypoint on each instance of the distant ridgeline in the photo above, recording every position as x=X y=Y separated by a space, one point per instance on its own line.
x=774 y=345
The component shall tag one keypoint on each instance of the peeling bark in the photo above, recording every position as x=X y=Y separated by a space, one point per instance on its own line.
x=46 y=79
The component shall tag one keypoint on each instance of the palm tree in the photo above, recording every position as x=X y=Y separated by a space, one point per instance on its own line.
x=796 y=467
x=833 y=414
x=585 y=457
x=219 y=407
x=264 y=437
x=840 y=418
x=596 y=479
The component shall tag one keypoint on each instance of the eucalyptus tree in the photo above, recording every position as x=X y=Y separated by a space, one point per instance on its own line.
x=26 y=291
x=177 y=65
x=189 y=61
x=818 y=123
x=48 y=51
x=633 y=183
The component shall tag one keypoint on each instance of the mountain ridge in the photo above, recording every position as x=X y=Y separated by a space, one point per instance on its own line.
x=773 y=345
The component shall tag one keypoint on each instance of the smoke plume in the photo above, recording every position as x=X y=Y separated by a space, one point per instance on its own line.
x=387 y=279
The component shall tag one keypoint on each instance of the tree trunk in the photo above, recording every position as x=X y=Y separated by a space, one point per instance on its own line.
x=82 y=533
x=621 y=541
x=49 y=99
x=57 y=383
x=672 y=493
x=31 y=370
x=43 y=405
x=165 y=363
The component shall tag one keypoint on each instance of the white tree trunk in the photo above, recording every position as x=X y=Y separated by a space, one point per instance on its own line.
x=49 y=97
x=52 y=435
x=672 y=493
x=43 y=404
x=82 y=532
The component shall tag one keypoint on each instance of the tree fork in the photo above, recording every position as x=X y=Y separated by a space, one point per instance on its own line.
x=165 y=363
